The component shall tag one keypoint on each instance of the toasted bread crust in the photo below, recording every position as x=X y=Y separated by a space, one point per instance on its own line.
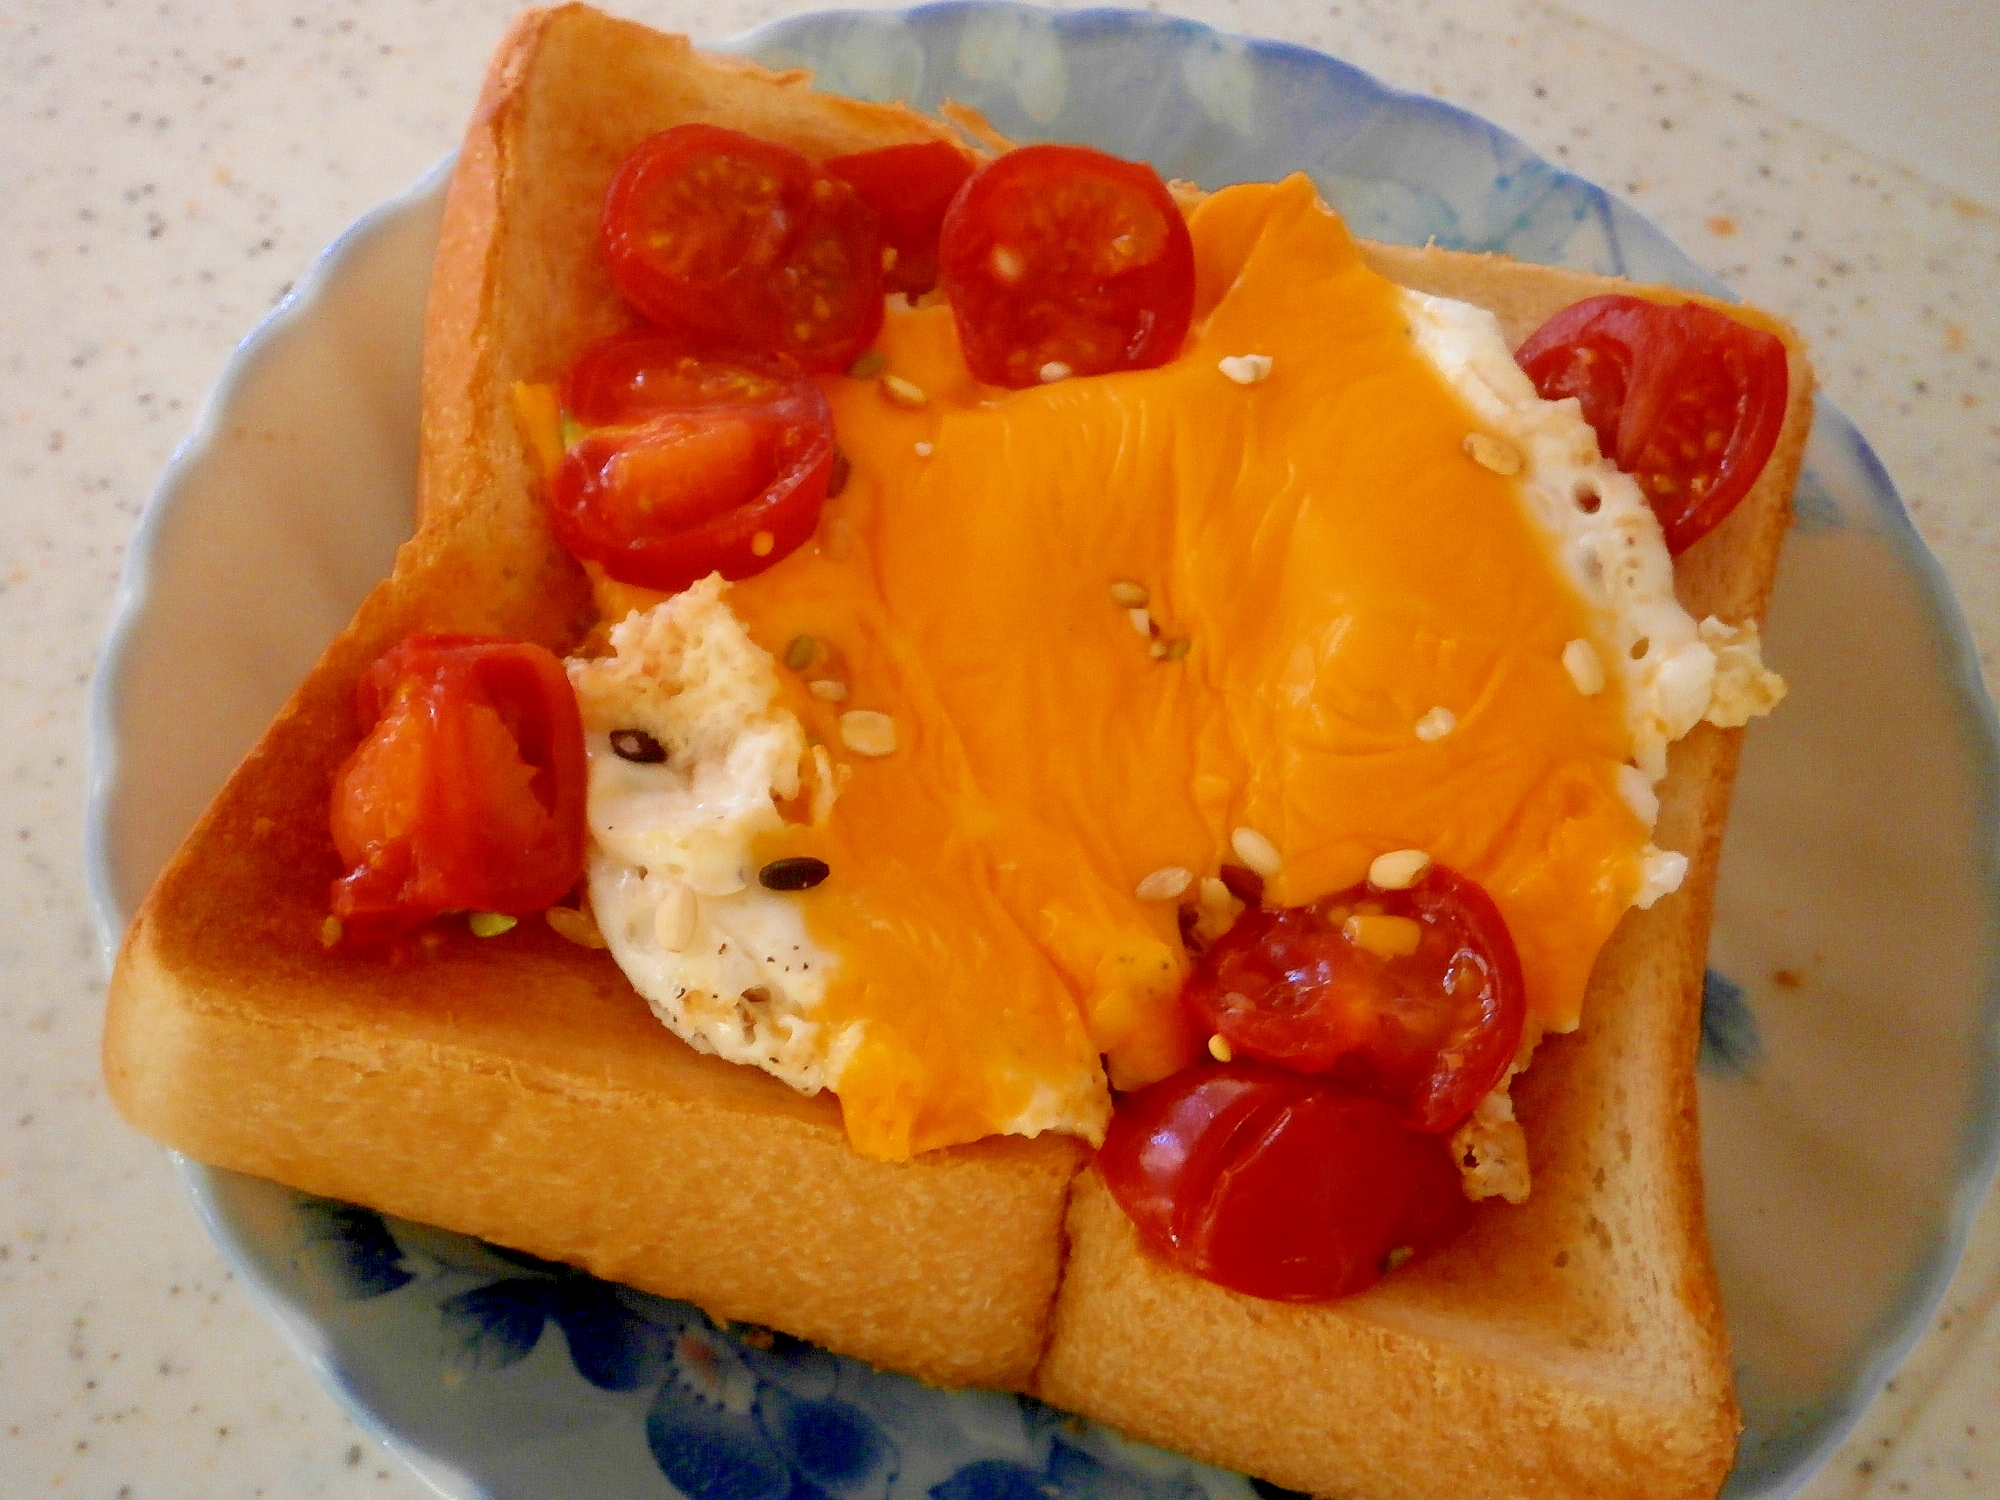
x=1573 y=1346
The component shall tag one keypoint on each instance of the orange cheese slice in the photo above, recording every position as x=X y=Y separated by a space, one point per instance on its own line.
x=1324 y=566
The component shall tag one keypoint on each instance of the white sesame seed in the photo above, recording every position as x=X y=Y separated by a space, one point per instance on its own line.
x=904 y=393
x=1007 y=264
x=1256 y=851
x=490 y=923
x=762 y=543
x=1436 y=724
x=1164 y=883
x=1128 y=595
x=674 y=917
x=1585 y=668
x=1219 y=1048
x=832 y=689
x=1493 y=453
x=329 y=932
x=866 y=732
x=1399 y=869
x=1245 y=369
x=1141 y=621
x=1055 y=370
x=1215 y=897
x=924 y=450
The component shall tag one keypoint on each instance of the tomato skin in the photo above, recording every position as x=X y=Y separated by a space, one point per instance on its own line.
x=1063 y=255
x=909 y=187
x=626 y=378
x=711 y=465
x=467 y=790
x=1683 y=398
x=742 y=245
x=1277 y=1185
x=1432 y=1032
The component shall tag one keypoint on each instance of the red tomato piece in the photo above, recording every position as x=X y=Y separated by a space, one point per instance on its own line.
x=467 y=793
x=742 y=245
x=711 y=466
x=626 y=378
x=909 y=187
x=1431 y=1031
x=1685 y=399
x=1277 y=1185
x=1063 y=257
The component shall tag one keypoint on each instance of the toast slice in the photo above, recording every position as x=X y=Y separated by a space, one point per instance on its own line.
x=1577 y=1338
x=1575 y=1342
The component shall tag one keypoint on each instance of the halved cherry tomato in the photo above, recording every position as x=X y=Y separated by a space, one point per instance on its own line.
x=711 y=465
x=1277 y=1185
x=1062 y=260
x=909 y=187
x=743 y=245
x=467 y=793
x=1432 y=1031
x=629 y=377
x=1685 y=399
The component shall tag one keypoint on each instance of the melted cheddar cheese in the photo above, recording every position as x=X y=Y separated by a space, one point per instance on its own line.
x=1338 y=569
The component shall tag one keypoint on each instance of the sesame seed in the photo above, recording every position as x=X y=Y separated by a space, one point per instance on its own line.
x=1053 y=371
x=800 y=872
x=904 y=393
x=329 y=932
x=1245 y=369
x=1399 y=869
x=1128 y=595
x=575 y=924
x=1436 y=724
x=1493 y=453
x=1585 y=667
x=1164 y=883
x=832 y=689
x=674 y=918
x=1219 y=1048
x=490 y=923
x=1007 y=264
x=1256 y=851
x=799 y=652
x=866 y=732
x=1157 y=650
x=924 y=450
x=637 y=746
x=762 y=543
x=1177 y=649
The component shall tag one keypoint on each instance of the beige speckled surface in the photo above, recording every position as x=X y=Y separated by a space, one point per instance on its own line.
x=168 y=172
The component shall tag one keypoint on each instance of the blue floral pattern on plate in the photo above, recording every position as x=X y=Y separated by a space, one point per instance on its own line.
x=496 y=1374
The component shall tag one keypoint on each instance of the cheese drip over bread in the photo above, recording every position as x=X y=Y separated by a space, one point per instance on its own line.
x=1361 y=633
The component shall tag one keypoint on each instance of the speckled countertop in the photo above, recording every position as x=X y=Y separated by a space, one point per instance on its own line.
x=170 y=169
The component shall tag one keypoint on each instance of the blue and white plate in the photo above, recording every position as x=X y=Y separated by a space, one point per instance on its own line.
x=1850 y=1088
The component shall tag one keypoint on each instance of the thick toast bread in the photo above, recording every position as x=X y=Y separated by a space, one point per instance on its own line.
x=518 y=1089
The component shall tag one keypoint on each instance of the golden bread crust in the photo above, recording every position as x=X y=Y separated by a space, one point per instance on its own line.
x=1573 y=1346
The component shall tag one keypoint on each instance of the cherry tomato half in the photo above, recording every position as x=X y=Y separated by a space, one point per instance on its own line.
x=467 y=793
x=629 y=377
x=712 y=465
x=909 y=187
x=1277 y=1185
x=1685 y=399
x=1060 y=256
x=1431 y=1031
x=742 y=245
